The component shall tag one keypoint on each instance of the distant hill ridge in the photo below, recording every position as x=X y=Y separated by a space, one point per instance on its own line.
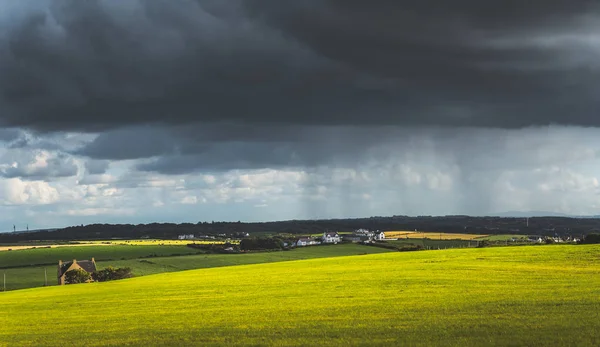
x=488 y=225
x=530 y=214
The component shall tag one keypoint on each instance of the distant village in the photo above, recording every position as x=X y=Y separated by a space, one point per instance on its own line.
x=360 y=235
x=368 y=236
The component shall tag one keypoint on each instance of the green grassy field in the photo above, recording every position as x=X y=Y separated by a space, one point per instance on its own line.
x=433 y=244
x=27 y=257
x=29 y=277
x=502 y=296
x=143 y=267
x=503 y=237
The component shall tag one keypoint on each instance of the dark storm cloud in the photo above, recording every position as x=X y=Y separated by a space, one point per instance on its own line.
x=212 y=147
x=129 y=143
x=9 y=135
x=97 y=167
x=92 y=65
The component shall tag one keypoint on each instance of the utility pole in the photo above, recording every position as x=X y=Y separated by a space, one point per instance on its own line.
x=4 y=286
x=45 y=278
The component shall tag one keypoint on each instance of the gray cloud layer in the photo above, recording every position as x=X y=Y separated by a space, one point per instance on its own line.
x=93 y=65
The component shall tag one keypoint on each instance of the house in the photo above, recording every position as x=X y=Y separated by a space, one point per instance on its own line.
x=186 y=237
x=364 y=232
x=307 y=241
x=331 y=237
x=535 y=238
x=86 y=265
x=379 y=235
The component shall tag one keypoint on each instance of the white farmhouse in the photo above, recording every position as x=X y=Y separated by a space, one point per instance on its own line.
x=364 y=232
x=379 y=235
x=305 y=241
x=331 y=237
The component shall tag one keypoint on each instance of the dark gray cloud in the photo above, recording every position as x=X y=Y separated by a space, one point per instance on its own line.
x=9 y=135
x=213 y=147
x=93 y=65
x=97 y=167
x=129 y=143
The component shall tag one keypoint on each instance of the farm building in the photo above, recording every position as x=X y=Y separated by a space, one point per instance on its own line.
x=379 y=235
x=86 y=265
x=331 y=237
x=535 y=238
x=307 y=242
x=186 y=237
x=361 y=231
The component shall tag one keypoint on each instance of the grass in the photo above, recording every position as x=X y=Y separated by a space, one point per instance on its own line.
x=433 y=244
x=510 y=296
x=155 y=242
x=504 y=237
x=29 y=277
x=145 y=242
x=430 y=235
x=39 y=256
x=142 y=267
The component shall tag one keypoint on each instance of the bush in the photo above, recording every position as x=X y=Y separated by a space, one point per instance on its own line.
x=110 y=274
x=261 y=243
x=483 y=243
x=77 y=276
x=216 y=248
x=409 y=248
x=591 y=239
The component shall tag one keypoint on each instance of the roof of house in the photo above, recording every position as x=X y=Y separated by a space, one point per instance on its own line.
x=87 y=265
x=332 y=234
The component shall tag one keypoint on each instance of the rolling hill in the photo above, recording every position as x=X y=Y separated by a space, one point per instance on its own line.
x=532 y=295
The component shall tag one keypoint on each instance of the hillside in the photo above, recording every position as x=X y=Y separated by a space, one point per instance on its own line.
x=145 y=260
x=534 y=296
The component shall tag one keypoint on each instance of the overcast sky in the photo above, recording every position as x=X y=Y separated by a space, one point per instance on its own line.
x=196 y=110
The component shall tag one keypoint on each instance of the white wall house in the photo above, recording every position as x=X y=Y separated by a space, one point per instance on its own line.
x=380 y=235
x=365 y=232
x=306 y=242
x=331 y=237
x=186 y=237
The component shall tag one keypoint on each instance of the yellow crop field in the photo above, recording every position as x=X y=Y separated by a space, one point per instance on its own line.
x=430 y=235
x=498 y=296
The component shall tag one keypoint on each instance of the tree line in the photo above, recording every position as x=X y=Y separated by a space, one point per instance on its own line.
x=546 y=226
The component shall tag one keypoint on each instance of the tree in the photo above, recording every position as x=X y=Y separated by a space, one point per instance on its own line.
x=483 y=243
x=111 y=273
x=261 y=243
x=591 y=238
x=77 y=276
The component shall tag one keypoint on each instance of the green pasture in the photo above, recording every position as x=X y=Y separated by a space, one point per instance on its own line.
x=40 y=256
x=143 y=267
x=28 y=277
x=501 y=296
x=433 y=244
x=503 y=237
